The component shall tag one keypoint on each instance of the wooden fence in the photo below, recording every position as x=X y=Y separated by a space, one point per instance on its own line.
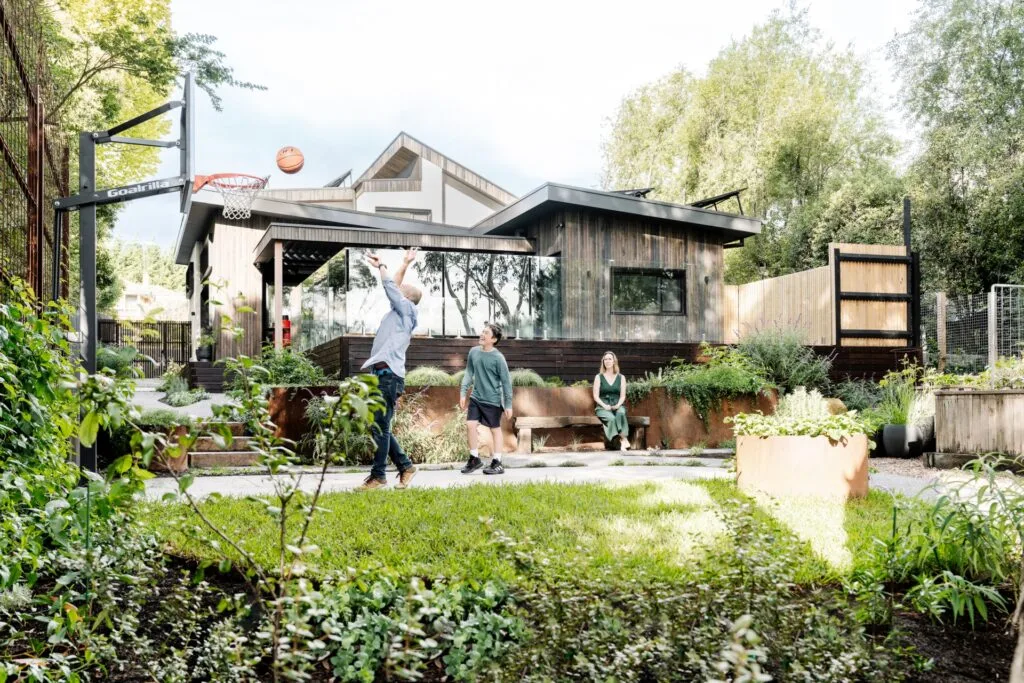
x=163 y=342
x=868 y=295
x=972 y=422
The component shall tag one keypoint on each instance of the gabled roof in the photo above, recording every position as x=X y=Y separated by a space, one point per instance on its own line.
x=405 y=149
x=551 y=196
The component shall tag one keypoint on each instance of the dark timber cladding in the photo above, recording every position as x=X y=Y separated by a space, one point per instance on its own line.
x=576 y=360
x=592 y=242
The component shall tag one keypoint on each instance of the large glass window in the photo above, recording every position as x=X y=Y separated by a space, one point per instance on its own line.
x=651 y=291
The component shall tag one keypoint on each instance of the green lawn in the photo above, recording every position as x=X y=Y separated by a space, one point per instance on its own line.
x=661 y=529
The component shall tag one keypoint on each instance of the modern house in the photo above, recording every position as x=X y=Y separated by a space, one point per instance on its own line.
x=568 y=271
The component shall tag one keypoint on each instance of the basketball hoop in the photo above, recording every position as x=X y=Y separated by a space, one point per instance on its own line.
x=239 y=191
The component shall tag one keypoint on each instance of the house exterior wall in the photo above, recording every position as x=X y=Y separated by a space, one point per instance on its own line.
x=591 y=243
x=464 y=205
x=427 y=197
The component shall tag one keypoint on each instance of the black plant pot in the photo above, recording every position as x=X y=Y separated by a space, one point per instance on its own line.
x=900 y=441
x=204 y=353
x=879 y=450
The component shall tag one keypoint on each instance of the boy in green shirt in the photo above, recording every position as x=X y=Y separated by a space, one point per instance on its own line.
x=487 y=372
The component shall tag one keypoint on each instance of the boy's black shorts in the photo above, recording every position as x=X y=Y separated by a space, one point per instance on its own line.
x=485 y=414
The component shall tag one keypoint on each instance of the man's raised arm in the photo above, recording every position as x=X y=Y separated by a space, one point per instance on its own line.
x=410 y=256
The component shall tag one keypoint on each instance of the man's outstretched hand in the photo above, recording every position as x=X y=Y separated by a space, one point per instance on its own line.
x=373 y=260
x=410 y=255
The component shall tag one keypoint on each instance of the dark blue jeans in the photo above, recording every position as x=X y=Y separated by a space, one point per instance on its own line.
x=391 y=387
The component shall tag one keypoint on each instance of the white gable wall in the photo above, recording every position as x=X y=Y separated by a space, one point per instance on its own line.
x=448 y=200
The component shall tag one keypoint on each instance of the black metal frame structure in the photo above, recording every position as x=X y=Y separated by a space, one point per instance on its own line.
x=912 y=297
x=89 y=197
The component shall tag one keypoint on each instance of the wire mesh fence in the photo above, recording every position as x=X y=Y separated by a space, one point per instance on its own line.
x=964 y=333
x=34 y=154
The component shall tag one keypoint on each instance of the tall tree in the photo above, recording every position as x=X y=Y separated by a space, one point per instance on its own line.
x=783 y=115
x=962 y=66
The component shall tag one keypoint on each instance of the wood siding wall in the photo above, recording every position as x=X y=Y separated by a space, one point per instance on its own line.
x=591 y=243
x=797 y=301
x=576 y=360
x=979 y=422
x=231 y=262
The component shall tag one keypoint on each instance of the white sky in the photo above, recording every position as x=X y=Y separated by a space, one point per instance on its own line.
x=520 y=92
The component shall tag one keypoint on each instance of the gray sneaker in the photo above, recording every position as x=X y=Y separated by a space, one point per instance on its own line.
x=495 y=467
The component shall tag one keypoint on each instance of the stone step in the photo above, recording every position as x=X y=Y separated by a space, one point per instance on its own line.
x=236 y=428
x=207 y=444
x=206 y=460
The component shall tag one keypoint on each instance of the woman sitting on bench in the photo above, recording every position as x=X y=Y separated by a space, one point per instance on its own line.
x=610 y=397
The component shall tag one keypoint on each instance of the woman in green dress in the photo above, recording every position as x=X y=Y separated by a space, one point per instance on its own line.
x=610 y=397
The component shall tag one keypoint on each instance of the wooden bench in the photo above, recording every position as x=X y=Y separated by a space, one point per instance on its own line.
x=525 y=426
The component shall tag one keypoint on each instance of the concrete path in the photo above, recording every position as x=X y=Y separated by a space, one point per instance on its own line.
x=245 y=485
x=148 y=398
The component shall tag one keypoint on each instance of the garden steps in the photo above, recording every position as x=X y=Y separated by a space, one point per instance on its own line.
x=206 y=375
x=206 y=453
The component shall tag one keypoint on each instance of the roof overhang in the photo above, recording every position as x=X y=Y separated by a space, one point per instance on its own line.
x=307 y=247
x=552 y=196
x=207 y=211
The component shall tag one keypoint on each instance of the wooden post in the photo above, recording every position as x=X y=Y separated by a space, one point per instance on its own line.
x=278 y=294
x=993 y=319
x=524 y=440
x=940 y=328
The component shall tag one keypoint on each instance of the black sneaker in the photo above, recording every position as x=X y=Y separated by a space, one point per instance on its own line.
x=495 y=467
x=472 y=465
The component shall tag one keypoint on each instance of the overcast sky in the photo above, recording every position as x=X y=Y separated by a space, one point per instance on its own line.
x=520 y=92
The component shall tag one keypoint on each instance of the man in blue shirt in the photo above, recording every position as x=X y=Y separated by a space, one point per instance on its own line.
x=387 y=362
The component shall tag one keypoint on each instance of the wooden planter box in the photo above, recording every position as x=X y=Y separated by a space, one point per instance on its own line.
x=968 y=422
x=179 y=464
x=803 y=466
x=673 y=423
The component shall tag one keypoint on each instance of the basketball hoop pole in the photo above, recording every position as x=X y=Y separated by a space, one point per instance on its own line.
x=88 y=198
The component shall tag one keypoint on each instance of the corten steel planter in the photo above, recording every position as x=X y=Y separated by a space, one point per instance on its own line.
x=673 y=423
x=803 y=466
x=179 y=464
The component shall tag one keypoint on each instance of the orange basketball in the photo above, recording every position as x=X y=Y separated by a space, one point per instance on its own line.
x=290 y=159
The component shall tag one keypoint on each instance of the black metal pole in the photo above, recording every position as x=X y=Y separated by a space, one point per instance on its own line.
x=87 y=264
x=58 y=240
x=906 y=223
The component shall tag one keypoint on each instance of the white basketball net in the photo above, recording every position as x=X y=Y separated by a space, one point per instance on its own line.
x=239 y=192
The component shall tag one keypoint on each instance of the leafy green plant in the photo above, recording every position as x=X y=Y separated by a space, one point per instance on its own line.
x=726 y=374
x=554 y=382
x=835 y=427
x=118 y=359
x=180 y=399
x=284 y=367
x=898 y=395
x=953 y=594
x=698 y=448
x=170 y=377
x=523 y=377
x=783 y=358
x=174 y=384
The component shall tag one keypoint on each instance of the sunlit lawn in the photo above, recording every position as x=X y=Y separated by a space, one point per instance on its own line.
x=662 y=529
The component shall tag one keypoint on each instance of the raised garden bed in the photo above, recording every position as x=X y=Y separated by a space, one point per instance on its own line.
x=674 y=423
x=973 y=421
x=803 y=466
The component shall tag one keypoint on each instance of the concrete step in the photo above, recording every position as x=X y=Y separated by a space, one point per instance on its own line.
x=207 y=444
x=206 y=460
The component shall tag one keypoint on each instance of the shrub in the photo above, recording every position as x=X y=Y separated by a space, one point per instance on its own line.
x=180 y=399
x=175 y=371
x=803 y=404
x=858 y=394
x=554 y=382
x=286 y=367
x=174 y=385
x=726 y=374
x=897 y=396
x=784 y=360
x=522 y=377
x=428 y=376
x=457 y=377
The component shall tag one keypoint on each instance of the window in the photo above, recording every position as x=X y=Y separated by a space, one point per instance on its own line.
x=651 y=291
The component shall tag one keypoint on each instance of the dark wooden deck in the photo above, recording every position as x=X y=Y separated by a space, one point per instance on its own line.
x=576 y=360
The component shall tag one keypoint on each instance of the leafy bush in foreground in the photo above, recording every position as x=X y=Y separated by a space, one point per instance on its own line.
x=835 y=427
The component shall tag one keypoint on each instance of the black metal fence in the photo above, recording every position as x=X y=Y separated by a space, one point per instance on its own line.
x=34 y=153
x=164 y=342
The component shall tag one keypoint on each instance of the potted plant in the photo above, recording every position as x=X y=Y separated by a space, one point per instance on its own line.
x=899 y=437
x=204 y=348
x=802 y=450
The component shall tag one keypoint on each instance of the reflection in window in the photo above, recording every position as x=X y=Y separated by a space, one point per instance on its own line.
x=649 y=290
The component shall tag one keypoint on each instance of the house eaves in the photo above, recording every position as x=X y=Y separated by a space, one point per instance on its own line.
x=551 y=196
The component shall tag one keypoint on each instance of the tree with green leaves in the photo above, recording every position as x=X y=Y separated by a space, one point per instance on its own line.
x=112 y=60
x=962 y=66
x=787 y=118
